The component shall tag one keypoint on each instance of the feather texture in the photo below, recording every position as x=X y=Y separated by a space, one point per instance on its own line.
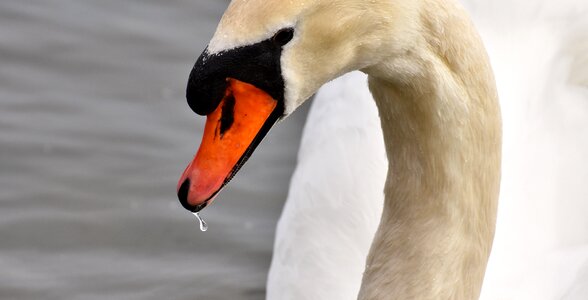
x=539 y=52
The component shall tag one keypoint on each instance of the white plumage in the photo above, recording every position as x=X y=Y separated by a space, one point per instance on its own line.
x=336 y=197
x=539 y=51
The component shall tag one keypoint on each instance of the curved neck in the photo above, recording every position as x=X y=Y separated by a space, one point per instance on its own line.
x=441 y=123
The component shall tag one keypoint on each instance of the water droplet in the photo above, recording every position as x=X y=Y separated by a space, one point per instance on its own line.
x=203 y=226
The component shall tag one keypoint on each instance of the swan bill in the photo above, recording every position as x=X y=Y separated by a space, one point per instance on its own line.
x=231 y=133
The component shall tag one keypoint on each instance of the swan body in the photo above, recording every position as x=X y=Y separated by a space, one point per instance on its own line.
x=434 y=89
x=540 y=53
x=535 y=254
x=336 y=197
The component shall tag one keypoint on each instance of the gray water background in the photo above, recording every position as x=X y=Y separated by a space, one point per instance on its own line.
x=94 y=134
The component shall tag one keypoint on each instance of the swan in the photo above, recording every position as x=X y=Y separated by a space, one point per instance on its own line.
x=434 y=89
x=320 y=263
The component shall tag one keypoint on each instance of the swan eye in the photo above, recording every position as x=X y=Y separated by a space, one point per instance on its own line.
x=283 y=36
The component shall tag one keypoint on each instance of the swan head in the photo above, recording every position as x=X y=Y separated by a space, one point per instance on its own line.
x=266 y=58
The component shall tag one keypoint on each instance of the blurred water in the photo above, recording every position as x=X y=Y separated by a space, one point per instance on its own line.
x=94 y=133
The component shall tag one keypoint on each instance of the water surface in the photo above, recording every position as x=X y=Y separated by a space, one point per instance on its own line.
x=94 y=134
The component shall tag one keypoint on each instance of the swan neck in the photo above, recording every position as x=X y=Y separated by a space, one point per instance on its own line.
x=442 y=130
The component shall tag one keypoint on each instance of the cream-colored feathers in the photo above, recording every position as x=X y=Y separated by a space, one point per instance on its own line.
x=332 y=37
x=435 y=93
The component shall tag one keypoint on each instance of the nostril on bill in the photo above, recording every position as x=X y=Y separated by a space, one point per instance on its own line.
x=183 y=194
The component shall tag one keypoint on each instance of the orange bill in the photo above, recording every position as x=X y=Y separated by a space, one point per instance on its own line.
x=231 y=132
